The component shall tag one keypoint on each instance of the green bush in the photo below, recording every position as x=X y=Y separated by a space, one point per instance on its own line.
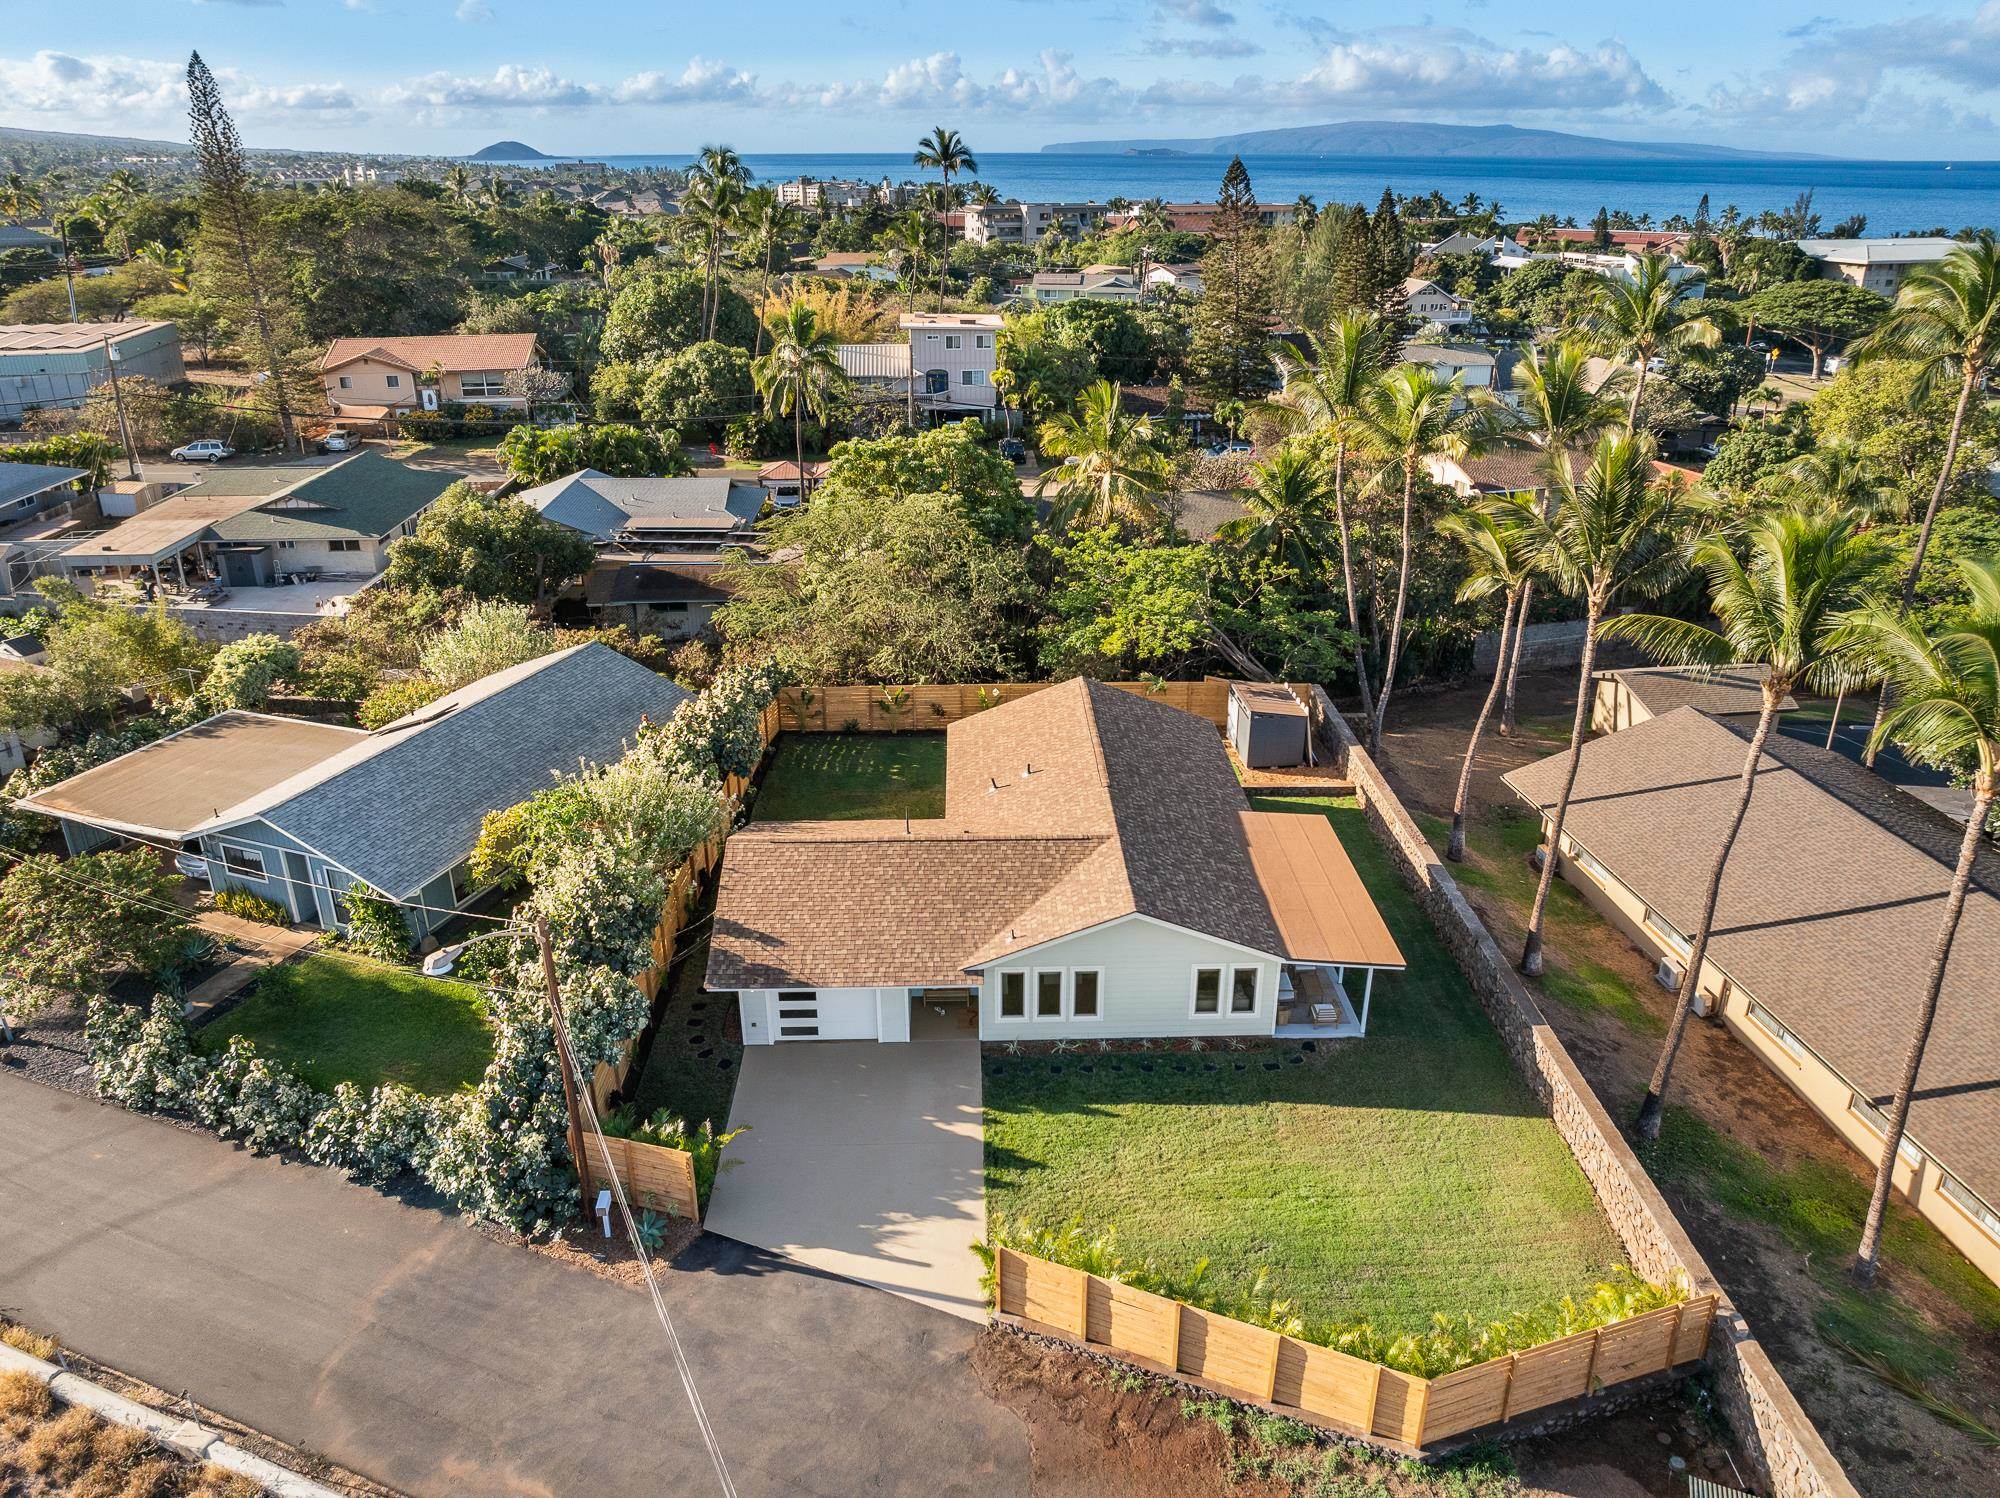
x=663 y=1129
x=376 y=925
x=396 y=699
x=240 y=902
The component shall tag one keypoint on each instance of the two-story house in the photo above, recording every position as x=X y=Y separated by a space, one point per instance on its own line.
x=375 y=378
x=952 y=359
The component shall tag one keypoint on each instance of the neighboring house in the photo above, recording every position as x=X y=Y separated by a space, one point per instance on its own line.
x=1429 y=302
x=1735 y=693
x=59 y=363
x=26 y=237
x=953 y=356
x=1095 y=283
x=1199 y=218
x=1025 y=223
x=523 y=270
x=1479 y=368
x=375 y=378
x=785 y=482
x=1165 y=404
x=1182 y=278
x=1501 y=470
x=1488 y=247
x=865 y=265
x=1097 y=874
x=673 y=595
x=876 y=364
x=255 y=527
x=1827 y=921
x=297 y=811
x=699 y=513
x=1876 y=264
x=28 y=490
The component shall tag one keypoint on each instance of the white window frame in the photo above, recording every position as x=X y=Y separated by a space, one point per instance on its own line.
x=982 y=340
x=1774 y=1027
x=1074 y=974
x=483 y=384
x=394 y=382
x=1221 y=971
x=1960 y=1195
x=1061 y=975
x=1582 y=859
x=1256 y=990
x=972 y=377
x=954 y=340
x=256 y=855
x=1877 y=1123
x=1668 y=936
x=346 y=383
x=339 y=544
x=1000 y=996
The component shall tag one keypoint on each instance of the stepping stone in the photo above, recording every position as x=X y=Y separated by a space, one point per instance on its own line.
x=1309 y=1045
x=1270 y=1066
x=1086 y=1068
x=1296 y=1059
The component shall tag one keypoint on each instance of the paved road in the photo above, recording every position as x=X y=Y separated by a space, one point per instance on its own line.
x=405 y=1345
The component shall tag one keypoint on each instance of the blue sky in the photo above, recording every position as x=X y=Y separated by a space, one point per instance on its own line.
x=627 y=76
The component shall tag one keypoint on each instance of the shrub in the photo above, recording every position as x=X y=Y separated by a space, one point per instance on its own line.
x=396 y=699
x=240 y=902
x=663 y=1129
x=488 y=637
x=375 y=924
x=244 y=671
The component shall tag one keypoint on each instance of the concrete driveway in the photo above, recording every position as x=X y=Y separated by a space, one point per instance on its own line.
x=865 y=1160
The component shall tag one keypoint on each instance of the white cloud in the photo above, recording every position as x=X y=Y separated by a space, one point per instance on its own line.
x=940 y=81
x=1201 y=46
x=1195 y=12
x=473 y=12
x=1430 y=69
x=511 y=86
x=702 y=81
x=299 y=97
x=62 y=85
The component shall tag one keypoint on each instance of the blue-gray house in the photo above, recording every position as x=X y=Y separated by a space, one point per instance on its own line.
x=297 y=811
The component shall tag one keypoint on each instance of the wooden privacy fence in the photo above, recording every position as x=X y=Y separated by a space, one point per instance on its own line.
x=654 y=1177
x=911 y=709
x=1334 y=1389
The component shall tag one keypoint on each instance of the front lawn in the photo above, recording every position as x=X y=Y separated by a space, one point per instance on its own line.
x=849 y=776
x=338 y=1020
x=1380 y=1179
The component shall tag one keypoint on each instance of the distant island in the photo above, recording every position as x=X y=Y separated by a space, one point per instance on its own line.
x=509 y=150
x=1410 y=138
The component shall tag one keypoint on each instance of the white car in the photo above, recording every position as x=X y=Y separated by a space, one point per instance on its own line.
x=205 y=450
x=338 y=440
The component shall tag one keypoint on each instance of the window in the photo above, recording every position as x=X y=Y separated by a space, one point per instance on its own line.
x=982 y=340
x=1878 y=1124
x=1085 y=986
x=343 y=546
x=1770 y=1025
x=394 y=382
x=346 y=383
x=483 y=382
x=286 y=545
x=930 y=338
x=1589 y=865
x=1243 y=990
x=972 y=377
x=1208 y=990
x=1013 y=996
x=245 y=861
x=954 y=340
x=1669 y=938
x=1049 y=995
x=1961 y=1197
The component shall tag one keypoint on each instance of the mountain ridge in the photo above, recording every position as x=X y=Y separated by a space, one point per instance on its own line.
x=508 y=150
x=1414 y=138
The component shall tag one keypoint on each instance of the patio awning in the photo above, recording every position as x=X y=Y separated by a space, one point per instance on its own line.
x=1323 y=911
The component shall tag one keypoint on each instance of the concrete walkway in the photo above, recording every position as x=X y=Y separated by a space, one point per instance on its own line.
x=865 y=1160
x=258 y=945
x=407 y=1346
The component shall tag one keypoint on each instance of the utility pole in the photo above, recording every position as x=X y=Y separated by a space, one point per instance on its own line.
x=118 y=400
x=69 y=267
x=567 y=1062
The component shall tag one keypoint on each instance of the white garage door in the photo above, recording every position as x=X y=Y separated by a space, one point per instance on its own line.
x=827 y=1014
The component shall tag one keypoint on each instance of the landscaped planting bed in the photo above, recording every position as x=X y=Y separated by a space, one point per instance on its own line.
x=339 y=1020
x=1384 y=1179
x=697 y=1049
x=852 y=776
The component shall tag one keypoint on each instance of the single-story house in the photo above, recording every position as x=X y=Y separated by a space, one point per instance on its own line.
x=785 y=482
x=673 y=596
x=1095 y=284
x=1097 y=873
x=1511 y=469
x=699 y=513
x=297 y=811
x=865 y=265
x=51 y=364
x=31 y=489
x=372 y=379
x=1827 y=920
x=257 y=527
x=1633 y=696
x=1185 y=279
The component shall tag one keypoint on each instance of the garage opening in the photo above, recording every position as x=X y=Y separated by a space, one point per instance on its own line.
x=943 y=1013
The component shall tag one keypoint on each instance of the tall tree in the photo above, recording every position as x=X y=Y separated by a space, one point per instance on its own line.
x=1947 y=711
x=799 y=376
x=1498 y=561
x=1614 y=531
x=1328 y=392
x=1644 y=316
x=944 y=152
x=230 y=247
x=1392 y=257
x=1232 y=321
x=1284 y=511
x=770 y=225
x=1782 y=608
x=1113 y=465
x=1600 y=232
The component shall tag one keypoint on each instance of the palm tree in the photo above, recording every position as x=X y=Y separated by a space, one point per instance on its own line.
x=1327 y=392
x=1561 y=405
x=495 y=193
x=458 y=184
x=1947 y=319
x=1498 y=562
x=799 y=376
x=769 y=224
x=1284 y=510
x=1781 y=607
x=1841 y=474
x=982 y=193
x=1644 y=317
x=1947 y=687
x=1612 y=532
x=18 y=197
x=1410 y=415
x=716 y=183
x=944 y=152
x=1113 y=464
x=1151 y=217
x=910 y=241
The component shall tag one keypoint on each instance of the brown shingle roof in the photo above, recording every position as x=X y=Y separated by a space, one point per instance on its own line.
x=448 y=351
x=1829 y=906
x=1728 y=690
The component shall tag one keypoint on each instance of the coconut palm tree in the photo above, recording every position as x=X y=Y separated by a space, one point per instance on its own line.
x=769 y=225
x=1947 y=319
x=1614 y=531
x=716 y=183
x=1645 y=317
x=1947 y=711
x=1842 y=475
x=1564 y=401
x=1326 y=392
x=458 y=186
x=1780 y=604
x=18 y=197
x=1499 y=561
x=1284 y=510
x=982 y=193
x=1113 y=463
x=799 y=375
x=944 y=152
x=909 y=240
x=1411 y=415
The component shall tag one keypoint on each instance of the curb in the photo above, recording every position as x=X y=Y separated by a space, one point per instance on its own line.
x=189 y=1438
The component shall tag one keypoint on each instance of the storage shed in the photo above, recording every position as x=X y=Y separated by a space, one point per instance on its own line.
x=1267 y=724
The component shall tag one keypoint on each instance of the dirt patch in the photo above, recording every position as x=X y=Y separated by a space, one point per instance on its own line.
x=1887 y=1442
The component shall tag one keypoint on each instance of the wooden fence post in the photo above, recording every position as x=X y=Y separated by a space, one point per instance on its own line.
x=1271 y=1373
x=1083 y=1305
x=1423 y=1410
x=1590 y=1368
x=1507 y=1389
x=1174 y=1343
x=1374 y=1395
x=1674 y=1336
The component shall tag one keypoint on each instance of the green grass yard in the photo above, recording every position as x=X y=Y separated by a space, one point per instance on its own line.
x=1382 y=1179
x=853 y=776
x=338 y=1020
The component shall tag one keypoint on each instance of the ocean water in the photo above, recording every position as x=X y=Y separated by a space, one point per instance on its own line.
x=1897 y=196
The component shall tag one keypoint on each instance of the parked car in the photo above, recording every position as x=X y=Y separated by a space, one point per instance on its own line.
x=337 y=440
x=1013 y=449
x=190 y=862
x=1227 y=445
x=204 y=450
x=1656 y=365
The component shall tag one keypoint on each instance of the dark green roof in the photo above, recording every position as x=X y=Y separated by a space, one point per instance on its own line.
x=366 y=495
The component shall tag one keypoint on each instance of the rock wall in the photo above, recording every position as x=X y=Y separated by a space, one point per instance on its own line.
x=1557 y=643
x=1767 y=1419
